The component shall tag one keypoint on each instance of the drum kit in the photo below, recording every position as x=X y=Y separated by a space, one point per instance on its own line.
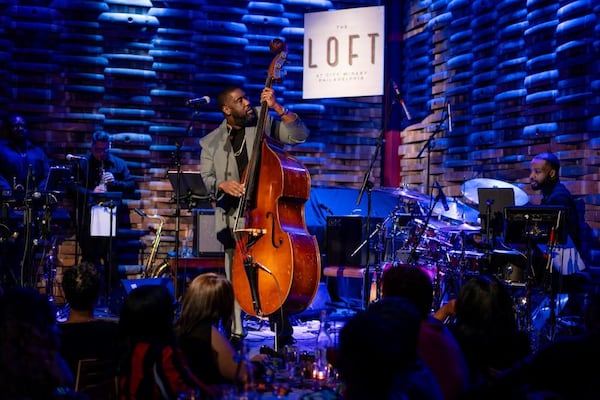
x=32 y=225
x=447 y=240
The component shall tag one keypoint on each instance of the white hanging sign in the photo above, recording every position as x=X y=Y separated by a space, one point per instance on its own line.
x=344 y=53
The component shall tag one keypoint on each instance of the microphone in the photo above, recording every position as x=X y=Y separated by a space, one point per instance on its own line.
x=71 y=157
x=449 y=117
x=251 y=269
x=442 y=196
x=197 y=101
x=400 y=100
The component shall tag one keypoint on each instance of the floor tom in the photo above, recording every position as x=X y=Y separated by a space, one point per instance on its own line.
x=510 y=265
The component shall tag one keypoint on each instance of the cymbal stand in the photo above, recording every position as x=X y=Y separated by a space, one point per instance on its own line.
x=453 y=278
x=489 y=239
x=552 y=243
x=531 y=235
x=26 y=261
x=49 y=243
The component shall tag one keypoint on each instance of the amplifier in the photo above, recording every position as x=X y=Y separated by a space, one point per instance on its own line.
x=343 y=236
x=205 y=238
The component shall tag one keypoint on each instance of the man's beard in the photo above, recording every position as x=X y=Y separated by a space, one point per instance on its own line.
x=250 y=119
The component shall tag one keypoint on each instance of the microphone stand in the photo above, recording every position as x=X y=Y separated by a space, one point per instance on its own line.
x=111 y=206
x=80 y=212
x=177 y=158
x=368 y=185
x=427 y=146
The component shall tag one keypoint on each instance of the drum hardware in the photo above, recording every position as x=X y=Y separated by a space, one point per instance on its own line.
x=404 y=193
x=379 y=249
x=418 y=237
x=537 y=225
x=48 y=269
x=457 y=211
x=462 y=228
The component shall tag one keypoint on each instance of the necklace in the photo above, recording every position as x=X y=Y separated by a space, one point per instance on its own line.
x=239 y=151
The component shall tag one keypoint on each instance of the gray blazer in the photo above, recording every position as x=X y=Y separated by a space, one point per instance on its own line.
x=217 y=162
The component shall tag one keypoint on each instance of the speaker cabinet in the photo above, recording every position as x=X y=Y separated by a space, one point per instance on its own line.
x=205 y=238
x=130 y=284
x=343 y=236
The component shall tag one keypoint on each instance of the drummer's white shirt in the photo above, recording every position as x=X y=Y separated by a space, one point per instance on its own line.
x=565 y=257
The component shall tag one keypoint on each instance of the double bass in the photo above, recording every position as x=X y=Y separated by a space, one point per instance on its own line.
x=276 y=263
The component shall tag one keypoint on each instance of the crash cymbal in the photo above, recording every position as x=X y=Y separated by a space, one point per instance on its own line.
x=469 y=189
x=460 y=228
x=406 y=193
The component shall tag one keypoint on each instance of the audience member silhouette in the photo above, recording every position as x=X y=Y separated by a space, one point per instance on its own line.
x=82 y=335
x=30 y=365
x=566 y=368
x=152 y=365
x=208 y=307
x=437 y=346
x=483 y=321
x=378 y=354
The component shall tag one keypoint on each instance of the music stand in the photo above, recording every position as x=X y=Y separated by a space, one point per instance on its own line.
x=58 y=179
x=192 y=189
x=494 y=200
x=103 y=223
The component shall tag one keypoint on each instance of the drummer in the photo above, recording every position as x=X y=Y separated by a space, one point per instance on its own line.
x=544 y=176
x=24 y=165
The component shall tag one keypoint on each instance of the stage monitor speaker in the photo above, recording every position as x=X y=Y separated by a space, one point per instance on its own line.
x=205 y=238
x=131 y=284
x=343 y=236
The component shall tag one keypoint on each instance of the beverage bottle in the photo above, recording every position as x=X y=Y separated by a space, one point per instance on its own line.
x=324 y=342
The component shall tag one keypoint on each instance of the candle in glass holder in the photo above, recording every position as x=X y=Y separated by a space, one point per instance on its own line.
x=320 y=372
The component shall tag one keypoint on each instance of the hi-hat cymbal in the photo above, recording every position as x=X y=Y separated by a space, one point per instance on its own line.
x=460 y=228
x=406 y=193
x=469 y=189
x=457 y=211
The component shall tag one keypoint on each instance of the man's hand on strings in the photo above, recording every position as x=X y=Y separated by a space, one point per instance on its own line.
x=268 y=95
x=232 y=187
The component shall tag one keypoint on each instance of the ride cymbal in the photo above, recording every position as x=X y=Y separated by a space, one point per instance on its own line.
x=469 y=189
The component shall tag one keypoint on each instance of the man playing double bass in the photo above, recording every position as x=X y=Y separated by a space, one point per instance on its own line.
x=224 y=157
